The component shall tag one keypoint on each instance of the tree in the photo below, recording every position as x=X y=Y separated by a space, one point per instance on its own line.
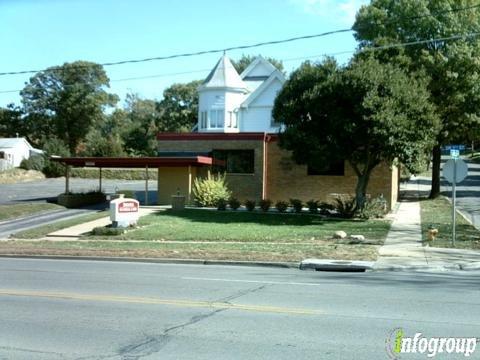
x=179 y=108
x=12 y=122
x=364 y=113
x=69 y=98
x=452 y=66
x=242 y=63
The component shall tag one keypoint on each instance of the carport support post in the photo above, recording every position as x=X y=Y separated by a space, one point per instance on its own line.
x=67 y=179
x=189 y=183
x=146 y=184
x=100 y=179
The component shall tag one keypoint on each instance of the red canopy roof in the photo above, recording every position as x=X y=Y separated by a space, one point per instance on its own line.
x=141 y=162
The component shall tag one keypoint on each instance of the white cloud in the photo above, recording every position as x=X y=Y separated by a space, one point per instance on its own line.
x=343 y=10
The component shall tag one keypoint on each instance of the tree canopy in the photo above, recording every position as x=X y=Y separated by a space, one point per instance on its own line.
x=451 y=66
x=68 y=99
x=364 y=113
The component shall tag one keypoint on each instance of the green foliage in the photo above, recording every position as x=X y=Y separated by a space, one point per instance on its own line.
x=374 y=208
x=364 y=113
x=13 y=122
x=118 y=174
x=325 y=208
x=345 y=207
x=250 y=205
x=107 y=231
x=210 y=190
x=281 y=206
x=69 y=99
x=36 y=162
x=265 y=204
x=234 y=203
x=222 y=204
x=297 y=205
x=312 y=206
x=242 y=63
x=179 y=108
x=54 y=147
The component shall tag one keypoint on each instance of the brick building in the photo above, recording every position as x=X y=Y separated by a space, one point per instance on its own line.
x=235 y=125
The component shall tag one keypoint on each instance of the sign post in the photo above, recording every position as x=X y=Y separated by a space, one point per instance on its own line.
x=455 y=170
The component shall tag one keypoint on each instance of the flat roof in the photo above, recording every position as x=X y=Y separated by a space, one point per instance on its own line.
x=141 y=162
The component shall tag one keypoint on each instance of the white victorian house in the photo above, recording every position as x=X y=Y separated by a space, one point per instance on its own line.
x=232 y=103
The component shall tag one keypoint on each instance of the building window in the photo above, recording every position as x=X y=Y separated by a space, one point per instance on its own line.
x=232 y=120
x=217 y=118
x=2 y=155
x=236 y=161
x=336 y=168
x=203 y=120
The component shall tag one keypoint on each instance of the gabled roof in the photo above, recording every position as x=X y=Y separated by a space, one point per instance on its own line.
x=223 y=76
x=258 y=68
x=277 y=74
x=14 y=142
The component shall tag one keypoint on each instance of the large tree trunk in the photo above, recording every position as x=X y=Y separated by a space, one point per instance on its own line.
x=436 y=161
x=361 y=189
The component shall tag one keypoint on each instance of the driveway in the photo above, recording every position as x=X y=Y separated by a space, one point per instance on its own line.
x=46 y=189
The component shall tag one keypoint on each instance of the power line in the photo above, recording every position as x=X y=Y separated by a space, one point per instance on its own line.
x=167 y=57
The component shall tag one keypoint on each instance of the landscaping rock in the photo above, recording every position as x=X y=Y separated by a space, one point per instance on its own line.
x=340 y=235
x=357 y=237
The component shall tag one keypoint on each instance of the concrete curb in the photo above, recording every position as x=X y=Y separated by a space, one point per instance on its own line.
x=286 y=265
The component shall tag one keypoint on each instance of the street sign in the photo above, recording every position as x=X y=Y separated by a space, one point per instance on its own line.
x=461 y=169
x=454 y=153
x=455 y=170
x=454 y=147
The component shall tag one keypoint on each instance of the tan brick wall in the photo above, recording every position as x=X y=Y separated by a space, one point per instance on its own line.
x=243 y=186
x=171 y=180
x=286 y=179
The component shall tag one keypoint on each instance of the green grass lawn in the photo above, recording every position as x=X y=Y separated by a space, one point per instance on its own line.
x=438 y=213
x=214 y=235
x=12 y=211
x=42 y=231
x=208 y=225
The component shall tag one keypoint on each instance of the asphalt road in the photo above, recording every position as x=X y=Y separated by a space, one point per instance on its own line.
x=53 y=309
x=42 y=190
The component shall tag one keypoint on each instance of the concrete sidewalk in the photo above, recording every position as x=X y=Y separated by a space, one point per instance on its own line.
x=74 y=232
x=404 y=250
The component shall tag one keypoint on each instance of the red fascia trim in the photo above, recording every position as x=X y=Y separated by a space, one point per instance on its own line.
x=104 y=162
x=211 y=136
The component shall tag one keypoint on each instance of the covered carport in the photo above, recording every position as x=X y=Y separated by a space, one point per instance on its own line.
x=189 y=164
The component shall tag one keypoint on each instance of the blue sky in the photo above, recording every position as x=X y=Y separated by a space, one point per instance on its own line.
x=36 y=34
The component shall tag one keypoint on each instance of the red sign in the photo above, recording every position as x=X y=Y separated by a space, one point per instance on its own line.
x=127 y=207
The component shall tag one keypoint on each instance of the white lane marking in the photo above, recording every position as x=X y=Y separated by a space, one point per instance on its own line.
x=252 y=281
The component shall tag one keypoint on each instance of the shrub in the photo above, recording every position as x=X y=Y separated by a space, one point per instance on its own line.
x=234 y=203
x=325 y=208
x=127 y=193
x=210 y=190
x=107 y=231
x=297 y=205
x=250 y=205
x=345 y=207
x=312 y=206
x=281 y=206
x=375 y=208
x=57 y=147
x=222 y=204
x=36 y=162
x=265 y=204
x=78 y=199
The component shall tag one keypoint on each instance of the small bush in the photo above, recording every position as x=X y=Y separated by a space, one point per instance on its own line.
x=107 y=231
x=57 y=147
x=265 y=205
x=250 y=205
x=297 y=205
x=325 y=208
x=221 y=204
x=233 y=203
x=210 y=190
x=281 y=206
x=127 y=193
x=345 y=207
x=375 y=208
x=36 y=162
x=312 y=206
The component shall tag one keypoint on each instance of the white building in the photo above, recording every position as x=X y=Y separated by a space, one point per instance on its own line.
x=14 y=150
x=232 y=103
